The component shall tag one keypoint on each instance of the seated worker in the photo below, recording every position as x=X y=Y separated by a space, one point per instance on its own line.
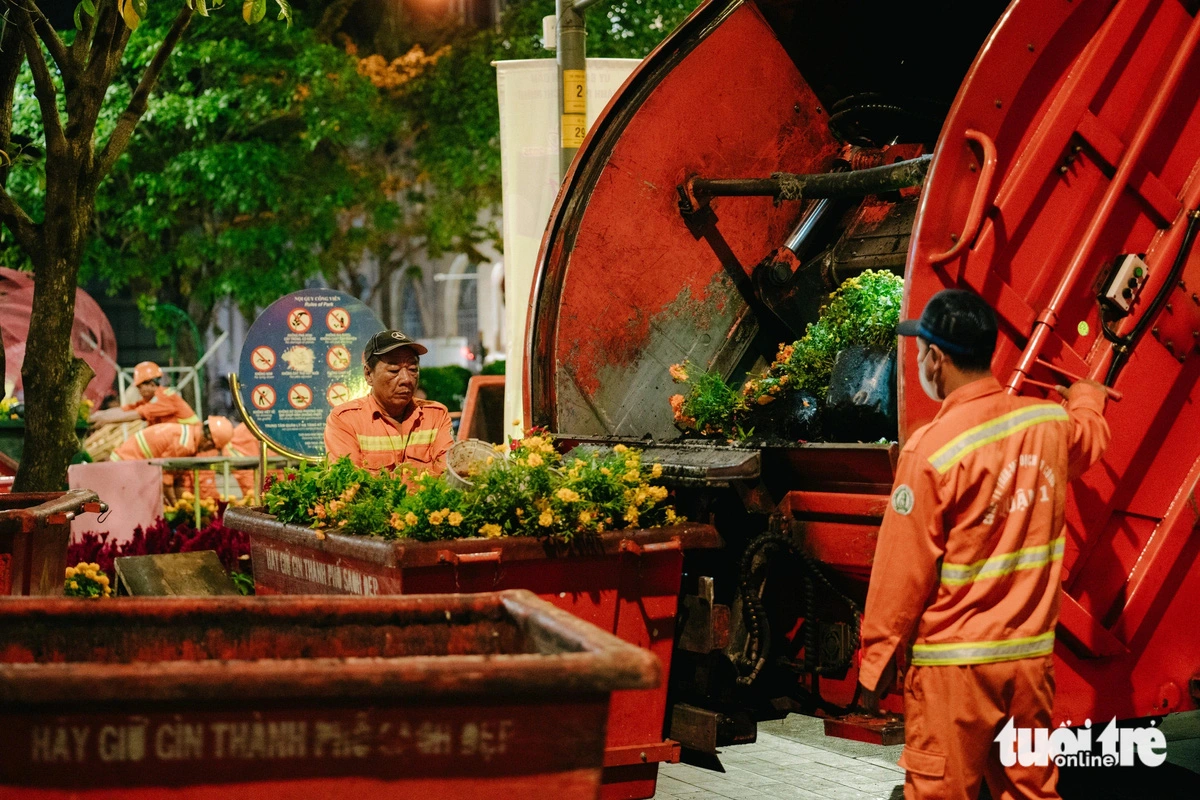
x=173 y=440
x=390 y=426
x=158 y=404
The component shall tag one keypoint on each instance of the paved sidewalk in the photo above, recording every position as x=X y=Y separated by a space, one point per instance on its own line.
x=791 y=759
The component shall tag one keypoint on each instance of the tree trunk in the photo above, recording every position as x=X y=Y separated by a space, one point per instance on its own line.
x=54 y=379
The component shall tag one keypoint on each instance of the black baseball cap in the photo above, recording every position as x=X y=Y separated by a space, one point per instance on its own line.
x=956 y=320
x=387 y=341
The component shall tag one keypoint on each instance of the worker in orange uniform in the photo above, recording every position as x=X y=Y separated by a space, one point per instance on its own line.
x=390 y=427
x=158 y=404
x=970 y=558
x=173 y=440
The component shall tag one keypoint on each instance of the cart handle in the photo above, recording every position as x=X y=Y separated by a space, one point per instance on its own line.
x=635 y=547
x=975 y=213
x=486 y=557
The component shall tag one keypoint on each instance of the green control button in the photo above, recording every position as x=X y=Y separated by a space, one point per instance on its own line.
x=1083 y=328
x=1138 y=272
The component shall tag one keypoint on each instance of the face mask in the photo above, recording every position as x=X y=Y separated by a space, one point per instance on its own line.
x=926 y=382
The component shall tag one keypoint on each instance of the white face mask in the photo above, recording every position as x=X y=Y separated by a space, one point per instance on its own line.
x=927 y=383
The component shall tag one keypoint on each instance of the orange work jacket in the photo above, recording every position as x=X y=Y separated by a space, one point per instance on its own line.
x=166 y=440
x=165 y=406
x=970 y=550
x=361 y=430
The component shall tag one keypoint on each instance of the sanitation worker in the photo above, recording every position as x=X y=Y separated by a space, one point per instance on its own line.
x=969 y=559
x=173 y=440
x=158 y=404
x=390 y=427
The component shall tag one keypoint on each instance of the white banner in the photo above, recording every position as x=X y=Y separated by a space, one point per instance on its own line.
x=529 y=165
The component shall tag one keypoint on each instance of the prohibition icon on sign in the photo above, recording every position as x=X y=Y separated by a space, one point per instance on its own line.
x=300 y=396
x=299 y=320
x=263 y=358
x=337 y=394
x=263 y=397
x=338 y=358
x=338 y=320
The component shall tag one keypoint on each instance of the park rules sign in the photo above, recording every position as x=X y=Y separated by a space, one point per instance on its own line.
x=303 y=358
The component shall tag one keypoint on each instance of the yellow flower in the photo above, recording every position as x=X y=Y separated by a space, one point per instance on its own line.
x=411 y=519
x=318 y=511
x=566 y=495
x=93 y=565
x=396 y=521
x=546 y=519
x=671 y=516
x=455 y=518
x=631 y=515
x=499 y=448
x=631 y=477
x=657 y=493
x=620 y=448
x=73 y=585
x=71 y=572
x=533 y=443
x=102 y=579
x=605 y=471
x=585 y=517
x=656 y=471
x=436 y=518
x=492 y=530
x=678 y=373
x=535 y=460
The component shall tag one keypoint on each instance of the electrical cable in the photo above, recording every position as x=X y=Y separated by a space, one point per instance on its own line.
x=1146 y=320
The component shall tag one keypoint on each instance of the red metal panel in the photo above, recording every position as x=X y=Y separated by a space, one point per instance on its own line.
x=1068 y=92
x=616 y=303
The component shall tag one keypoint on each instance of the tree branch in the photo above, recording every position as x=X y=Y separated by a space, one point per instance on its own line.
x=12 y=56
x=19 y=222
x=129 y=118
x=43 y=84
x=43 y=28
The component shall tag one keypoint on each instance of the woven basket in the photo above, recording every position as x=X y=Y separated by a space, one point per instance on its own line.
x=467 y=458
x=101 y=442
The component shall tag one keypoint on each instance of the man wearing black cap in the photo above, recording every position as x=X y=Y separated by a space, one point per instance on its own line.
x=969 y=560
x=390 y=427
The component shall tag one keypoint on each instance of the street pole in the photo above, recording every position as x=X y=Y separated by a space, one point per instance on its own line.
x=571 y=52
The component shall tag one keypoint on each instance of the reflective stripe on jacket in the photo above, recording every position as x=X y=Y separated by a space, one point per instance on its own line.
x=361 y=430
x=969 y=557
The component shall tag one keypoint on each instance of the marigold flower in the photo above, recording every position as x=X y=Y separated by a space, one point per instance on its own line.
x=671 y=516
x=491 y=530
x=631 y=476
x=71 y=572
x=396 y=521
x=678 y=373
x=605 y=471
x=566 y=495
x=631 y=515
x=620 y=448
x=102 y=579
x=455 y=519
x=436 y=517
x=657 y=493
x=546 y=519
x=585 y=517
x=656 y=471
x=535 y=460
x=411 y=519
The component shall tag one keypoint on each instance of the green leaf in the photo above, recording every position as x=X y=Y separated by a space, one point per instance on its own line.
x=285 y=11
x=132 y=18
x=78 y=21
x=201 y=8
x=140 y=7
x=254 y=10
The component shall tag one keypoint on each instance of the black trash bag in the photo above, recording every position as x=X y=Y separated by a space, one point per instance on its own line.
x=861 y=403
x=791 y=417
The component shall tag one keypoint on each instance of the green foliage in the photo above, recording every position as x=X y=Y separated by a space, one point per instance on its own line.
x=446 y=385
x=494 y=368
x=244 y=582
x=526 y=492
x=863 y=311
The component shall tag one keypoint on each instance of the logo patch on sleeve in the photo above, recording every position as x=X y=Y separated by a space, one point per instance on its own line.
x=902 y=500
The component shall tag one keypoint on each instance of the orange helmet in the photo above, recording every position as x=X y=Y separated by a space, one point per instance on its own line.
x=220 y=429
x=146 y=371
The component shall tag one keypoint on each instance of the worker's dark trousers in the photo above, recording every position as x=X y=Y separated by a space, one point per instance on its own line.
x=952 y=715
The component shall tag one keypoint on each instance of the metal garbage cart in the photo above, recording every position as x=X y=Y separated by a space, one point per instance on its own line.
x=458 y=697
x=35 y=529
x=626 y=582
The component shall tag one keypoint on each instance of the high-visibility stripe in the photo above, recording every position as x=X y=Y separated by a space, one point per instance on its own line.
x=956 y=653
x=169 y=391
x=988 y=432
x=998 y=566
x=183 y=437
x=192 y=420
x=115 y=457
x=143 y=445
x=388 y=444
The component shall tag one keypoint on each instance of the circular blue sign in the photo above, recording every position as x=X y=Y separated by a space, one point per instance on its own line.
x=301 y=359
